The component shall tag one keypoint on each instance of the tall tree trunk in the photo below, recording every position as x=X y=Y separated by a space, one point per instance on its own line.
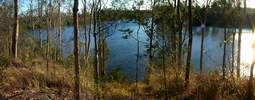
x=15 y=35
x=9 y=40
x=86 y=48
x=103 y=56
x=96 y=70
x=173 y=45
x=89 y=34
x=49 y=11
x=224 y=45
x=102 y=48
x=48 y=47
x=40 y=10
x=137 y=59
x=233 y=51
x=59 y=51
x=32 y=14
x=180 y=35
x=151 y=33
x=40 y=38
x=250 y=83
x=188 y=62
x=99 y=47
x=239 y=44
x=174 y=36
x=202 y=46
x=203 y=26
x=163 y=62
x=224 y=54
x=76 y=52
x=151 y=41
x=85 y=32
x=239 y=51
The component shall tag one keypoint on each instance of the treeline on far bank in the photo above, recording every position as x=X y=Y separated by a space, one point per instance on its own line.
x=215 y=15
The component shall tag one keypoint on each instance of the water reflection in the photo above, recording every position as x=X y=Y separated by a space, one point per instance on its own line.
x=123 y=51
x=247 y=52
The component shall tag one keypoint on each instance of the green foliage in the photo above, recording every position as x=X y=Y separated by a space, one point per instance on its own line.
x=4 y=61
x=64 y=62
x=68 y=62
x=116 y=75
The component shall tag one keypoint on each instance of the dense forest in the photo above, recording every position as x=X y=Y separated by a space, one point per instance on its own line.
x=127 y=49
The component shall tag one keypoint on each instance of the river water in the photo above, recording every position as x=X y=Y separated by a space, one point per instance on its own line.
x=123 y=51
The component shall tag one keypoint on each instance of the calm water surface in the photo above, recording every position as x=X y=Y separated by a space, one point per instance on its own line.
x=123 y=51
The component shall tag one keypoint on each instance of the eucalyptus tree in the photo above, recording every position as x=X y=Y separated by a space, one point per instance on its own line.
x=233 y=50
x=40 y=22
x=203 y=26
x=100 y=35
x=87 y=38
x=89 y=5
x=48 y=12
x=102 y=27
x=188 y=61
x=163 y=29
x=136 y=7
x=234 y=25
x=76 y=51
x=96 y=74
x=239 y=39
x=224 y=4
x=6 y=9
x=31 y=11
x=163 y=58
x=92 y=30
x=59 y=32
x=15 y=35
x=95 y=5
x=148 y=24
x=250 y=85
x=101 y=40
x=179 y=23
x=151 y=33
x=55 y=29
x=175 y=27
x=224 y=53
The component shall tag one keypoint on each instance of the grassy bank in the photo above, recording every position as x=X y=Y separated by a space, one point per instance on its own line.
x=32 y=80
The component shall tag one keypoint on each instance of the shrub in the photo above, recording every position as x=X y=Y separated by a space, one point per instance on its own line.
x=4 y=61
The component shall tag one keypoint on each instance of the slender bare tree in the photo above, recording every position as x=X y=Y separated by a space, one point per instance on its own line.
x=224 y=54
x=239 y=41
x=40 y=4
x=31 y=8
x=224 y=43
x=15 y=35
x=233 y=49
x=59 y=33
x=49 y=23
x=179 y=23
x=76 y=51
x=203 y=26
x=188 y=62
x=96 y=54
x=151 y=34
